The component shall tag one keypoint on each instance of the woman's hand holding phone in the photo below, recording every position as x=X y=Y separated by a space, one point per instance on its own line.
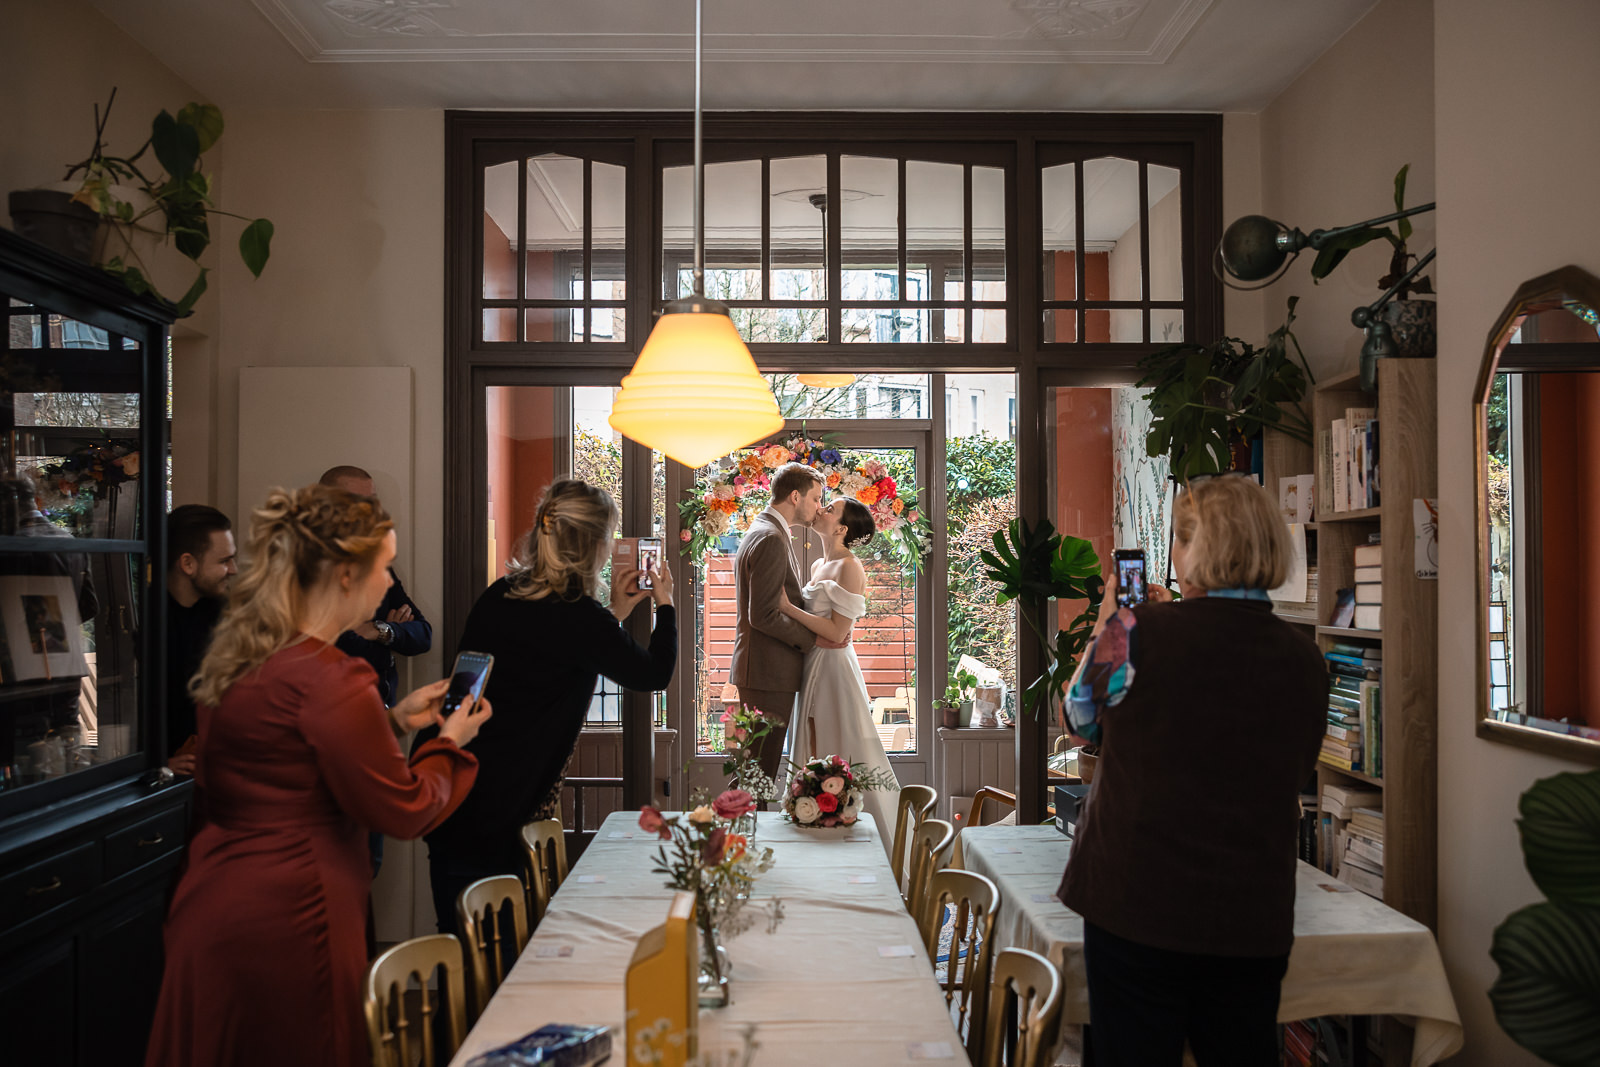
x=661 y=583
x=625 y=592
x=421 y=708
x=463 y=724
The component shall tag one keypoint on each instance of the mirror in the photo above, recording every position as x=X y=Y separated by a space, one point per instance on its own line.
x=1537 y=436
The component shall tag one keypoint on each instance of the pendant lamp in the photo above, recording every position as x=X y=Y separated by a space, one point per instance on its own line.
x=694 y=393
x=825 y=380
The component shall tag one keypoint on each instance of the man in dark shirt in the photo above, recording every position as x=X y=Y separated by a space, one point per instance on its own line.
x=200 y=564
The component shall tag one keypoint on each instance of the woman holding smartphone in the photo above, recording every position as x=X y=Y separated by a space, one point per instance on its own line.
x=551 y=639
x=296 y=760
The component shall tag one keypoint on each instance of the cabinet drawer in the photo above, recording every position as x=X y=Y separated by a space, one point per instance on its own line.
x=35 y=890
x=143 y=842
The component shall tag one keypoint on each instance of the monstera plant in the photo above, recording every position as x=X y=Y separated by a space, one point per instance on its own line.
x=1547 y=997
x=1036 y=565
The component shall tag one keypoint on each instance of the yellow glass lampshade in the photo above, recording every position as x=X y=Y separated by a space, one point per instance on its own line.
x=695 y=393
x=825 y=381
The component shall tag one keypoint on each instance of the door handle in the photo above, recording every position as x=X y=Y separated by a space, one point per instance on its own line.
x=49 y=887
x=147 y=841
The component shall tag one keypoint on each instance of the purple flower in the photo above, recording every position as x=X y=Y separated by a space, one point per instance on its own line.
x=831 y=457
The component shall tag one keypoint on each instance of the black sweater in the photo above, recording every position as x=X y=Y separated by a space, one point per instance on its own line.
x=548 y=654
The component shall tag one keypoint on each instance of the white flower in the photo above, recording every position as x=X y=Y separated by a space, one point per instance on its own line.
x=806 y=810
x=716 y=522
x=852 y=483
x=703 y=815
x=854 y=802
x=723 y=492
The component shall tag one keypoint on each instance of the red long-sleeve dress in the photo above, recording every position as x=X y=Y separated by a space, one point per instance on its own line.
x=265 y=941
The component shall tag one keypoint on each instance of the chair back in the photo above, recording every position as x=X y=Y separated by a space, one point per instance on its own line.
x=391 y=1037
x=544 y=846
x=987 y=793
x=492 y=916
x=930 y=851
x=971 y=901
x=916 y=804
x=1027 y=988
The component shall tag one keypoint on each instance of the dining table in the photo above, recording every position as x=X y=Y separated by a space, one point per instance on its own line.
x=1352 y=954
x=843 y=969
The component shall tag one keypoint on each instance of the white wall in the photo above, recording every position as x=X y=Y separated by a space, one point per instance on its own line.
x=1517 y=151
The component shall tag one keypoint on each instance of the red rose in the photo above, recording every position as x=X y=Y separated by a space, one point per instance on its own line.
x=828 y=802
x=733 y=803
x=886 y=488
x=651 y=822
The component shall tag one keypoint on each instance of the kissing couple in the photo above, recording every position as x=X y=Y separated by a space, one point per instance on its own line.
x=793 y=639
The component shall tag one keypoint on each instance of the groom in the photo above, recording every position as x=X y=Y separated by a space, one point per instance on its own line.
x=769 y=648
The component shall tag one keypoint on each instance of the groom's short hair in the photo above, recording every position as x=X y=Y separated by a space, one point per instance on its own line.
x=794 y=478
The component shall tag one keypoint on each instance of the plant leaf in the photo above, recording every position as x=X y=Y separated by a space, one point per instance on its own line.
x=1076 y=558
x=255 y=245
x=176 y=145
x=186 y=305
x=206 y=120
x=1560 y=829
x=1334 y=249
x=1547 y=996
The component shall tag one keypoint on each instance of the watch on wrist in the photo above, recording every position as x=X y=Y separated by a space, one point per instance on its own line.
x=385 y=633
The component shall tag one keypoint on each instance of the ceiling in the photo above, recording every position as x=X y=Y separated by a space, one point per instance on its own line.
x=1025 y=55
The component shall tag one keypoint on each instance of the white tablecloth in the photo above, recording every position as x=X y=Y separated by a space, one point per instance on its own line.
x=819 y=981
x=1352 y=954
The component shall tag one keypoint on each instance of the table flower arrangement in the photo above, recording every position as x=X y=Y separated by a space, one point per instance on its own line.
x=828 y=791
x=734 y=492
x=743 y=730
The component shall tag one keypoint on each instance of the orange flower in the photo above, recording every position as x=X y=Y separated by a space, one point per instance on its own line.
x=898 y=505
x=736 y=845
x=868 y=495
x=834 y=478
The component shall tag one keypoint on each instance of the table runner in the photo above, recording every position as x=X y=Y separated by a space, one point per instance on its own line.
x=1352 y=955
x=818 y=982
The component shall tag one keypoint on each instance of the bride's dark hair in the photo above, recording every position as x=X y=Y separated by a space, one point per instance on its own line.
x=857 y=522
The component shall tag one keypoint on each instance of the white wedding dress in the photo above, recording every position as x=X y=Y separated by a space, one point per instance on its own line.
x=834 y=707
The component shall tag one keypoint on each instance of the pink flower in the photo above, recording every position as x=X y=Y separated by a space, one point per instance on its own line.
x=847 y=819
x=912 y=516
x=795 y=789
x=716 y=846
x=834 y=785
x=684 y=535
x=830 y=820
x=733 y=803
x=828 y=802
x=651 y=822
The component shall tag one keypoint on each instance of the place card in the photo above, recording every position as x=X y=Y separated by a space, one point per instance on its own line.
x=1334 y=887
x=862 y=879
x=1045 y=898
x=858 y=837
x=551 y=952
x=590 y=878
x=890 y=952
x=929 y=1050
x=620 y=835
x=1006 y=850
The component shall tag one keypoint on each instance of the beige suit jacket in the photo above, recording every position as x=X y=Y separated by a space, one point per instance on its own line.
x=769 y=648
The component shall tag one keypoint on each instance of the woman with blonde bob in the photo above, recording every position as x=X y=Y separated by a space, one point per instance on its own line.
x=1209 y=713
x=551 y=638
x=297 y=759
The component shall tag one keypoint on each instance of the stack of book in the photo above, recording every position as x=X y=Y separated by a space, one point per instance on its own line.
x=1360 y=851
x=1369 y=586
x=1309 y=828
x=1347 y=463
x=1340 y=803
x=1300 y=1044
x=1354 y=736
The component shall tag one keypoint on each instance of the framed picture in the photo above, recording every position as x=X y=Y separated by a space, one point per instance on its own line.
x=44 y=636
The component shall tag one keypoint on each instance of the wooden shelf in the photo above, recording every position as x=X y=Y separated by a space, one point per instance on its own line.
x=1336 y=769
x=1358 y=515
x=1349 y=631
x=1296 y=617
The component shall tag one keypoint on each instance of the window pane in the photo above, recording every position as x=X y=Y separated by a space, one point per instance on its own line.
x=1058 y=186
x=934 y=224
x=988 y=325
x=781 y=325
x=1166 y=234
x=499 y=324
x=677 y=231
x=954 y=323
x=1060 y=324
x=609 y=217
x=798 y=227
x=870 y=228
x=500 y=232
x=1166 y=325
x=888 y=325
x=608 y=324
x=989 y=232
x=732 y=230
x=1112 y=268
x=555 y=228
x=553 y=324
x=866 y=396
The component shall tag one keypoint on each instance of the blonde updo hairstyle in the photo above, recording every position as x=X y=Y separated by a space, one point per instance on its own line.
x=564 y=552
x=1234 y=533
x=297 y=538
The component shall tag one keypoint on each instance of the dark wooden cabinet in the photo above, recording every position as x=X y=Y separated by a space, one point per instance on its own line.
x=92 y=828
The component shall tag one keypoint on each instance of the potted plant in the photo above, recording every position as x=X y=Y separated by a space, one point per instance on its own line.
x=1412 y=323
x=949 y=706
x=1206 y=398
x=128 y=201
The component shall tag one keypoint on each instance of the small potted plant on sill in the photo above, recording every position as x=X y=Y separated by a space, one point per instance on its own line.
x=111 y=212
x=949 y=706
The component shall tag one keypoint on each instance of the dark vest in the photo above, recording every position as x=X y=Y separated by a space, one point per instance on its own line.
x=1188 y=839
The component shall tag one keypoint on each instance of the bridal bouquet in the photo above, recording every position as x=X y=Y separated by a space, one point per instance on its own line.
x=830 y=791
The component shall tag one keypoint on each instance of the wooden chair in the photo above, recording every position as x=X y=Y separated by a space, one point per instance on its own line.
x=544 y=845
x=974 y=901
x=930 y=849
x=389 y=1030
x=985 y=793
x=916 y=804
x=490 y=947
x=1027 y=989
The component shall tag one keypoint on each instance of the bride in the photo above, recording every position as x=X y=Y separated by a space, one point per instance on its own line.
x=834 y=716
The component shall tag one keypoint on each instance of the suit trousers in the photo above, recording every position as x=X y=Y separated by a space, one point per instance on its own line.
x=777 y=706
x=1144 y=1001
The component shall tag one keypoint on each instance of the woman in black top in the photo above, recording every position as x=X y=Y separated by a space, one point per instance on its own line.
x=550 y=639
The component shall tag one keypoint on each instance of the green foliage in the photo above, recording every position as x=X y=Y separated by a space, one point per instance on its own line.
x=1335 y=249
x=1497 y=417
x=181 y=194
x=981 y=479
x=1201 y=394
x=1547 y=995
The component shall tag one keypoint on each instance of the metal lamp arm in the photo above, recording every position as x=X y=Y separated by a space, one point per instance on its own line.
x=1363 y=315
x=1319 y=237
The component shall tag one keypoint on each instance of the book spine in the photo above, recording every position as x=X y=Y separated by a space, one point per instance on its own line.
x=1324 y=477
x=1341 y=465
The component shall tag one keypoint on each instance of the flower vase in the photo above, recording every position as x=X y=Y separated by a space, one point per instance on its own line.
x=714 y=989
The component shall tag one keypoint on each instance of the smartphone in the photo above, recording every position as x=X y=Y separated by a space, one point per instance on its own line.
x=1130 y=577
x=649 y=559
x=471 y=674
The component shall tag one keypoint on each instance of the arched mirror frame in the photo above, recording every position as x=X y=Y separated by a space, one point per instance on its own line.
x=1547 y=292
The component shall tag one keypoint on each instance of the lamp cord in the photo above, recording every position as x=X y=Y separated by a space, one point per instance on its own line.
x=699 y=169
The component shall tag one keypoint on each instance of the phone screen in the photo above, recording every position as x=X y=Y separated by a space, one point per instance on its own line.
x=471 y=674
x=649 y=559
x=1130 y=577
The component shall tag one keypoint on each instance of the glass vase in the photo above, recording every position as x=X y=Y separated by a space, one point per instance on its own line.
x=714 y=989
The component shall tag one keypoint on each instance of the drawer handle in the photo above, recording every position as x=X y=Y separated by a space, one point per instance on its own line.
x=49 y=887
x=146 y=841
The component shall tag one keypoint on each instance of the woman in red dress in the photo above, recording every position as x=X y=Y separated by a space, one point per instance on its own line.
x=297 y=759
